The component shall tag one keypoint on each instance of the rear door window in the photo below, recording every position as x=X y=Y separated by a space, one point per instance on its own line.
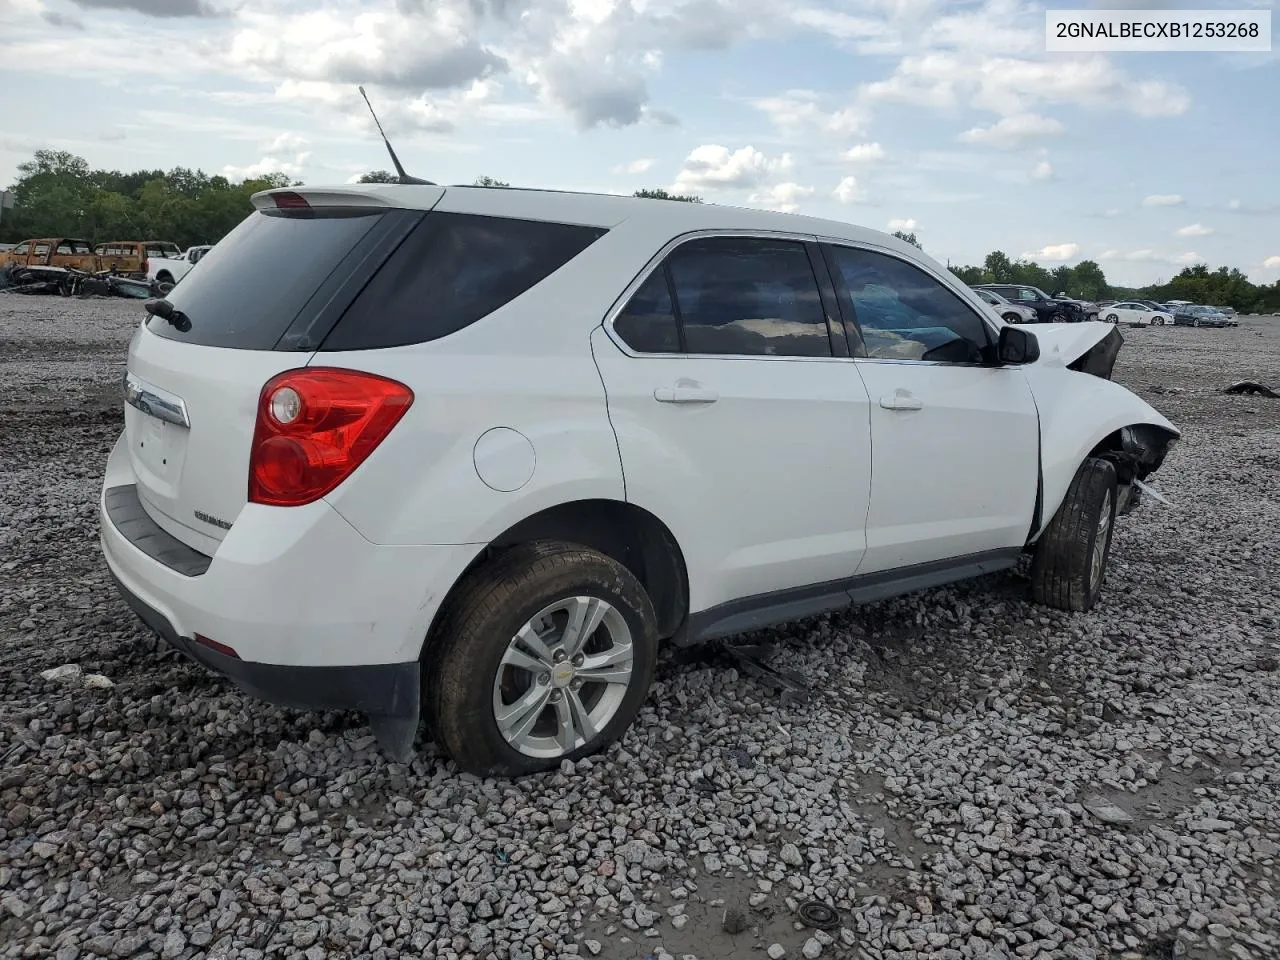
x=265 y=273
x=454 y=269
x=648 y=322
x=749 y=296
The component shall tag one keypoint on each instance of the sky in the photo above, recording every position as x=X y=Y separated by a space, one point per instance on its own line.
x=948 y=119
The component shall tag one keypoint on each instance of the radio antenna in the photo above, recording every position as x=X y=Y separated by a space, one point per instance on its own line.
x=395 y=161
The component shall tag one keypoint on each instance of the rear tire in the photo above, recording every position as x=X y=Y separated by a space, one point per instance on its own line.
x=1071 y=556
x=1058 y=317
x=501 y=665
x=1113 y=318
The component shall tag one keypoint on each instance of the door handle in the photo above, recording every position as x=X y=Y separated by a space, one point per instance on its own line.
x=684 y=394
x=901 y=400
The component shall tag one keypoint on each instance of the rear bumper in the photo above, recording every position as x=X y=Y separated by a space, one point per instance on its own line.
x=384 y=689
x=288 y=587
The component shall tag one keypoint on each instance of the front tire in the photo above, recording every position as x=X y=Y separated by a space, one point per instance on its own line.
x=1012 y=318
x=1113 y=318
x=1058 y=317
x=544 y=654
x=1071 y=556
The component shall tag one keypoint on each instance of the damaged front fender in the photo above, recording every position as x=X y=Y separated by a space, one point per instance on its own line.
x=1083 y=415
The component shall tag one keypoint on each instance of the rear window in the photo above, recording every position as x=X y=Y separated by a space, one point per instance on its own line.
x=452 y=270
x=253 y=285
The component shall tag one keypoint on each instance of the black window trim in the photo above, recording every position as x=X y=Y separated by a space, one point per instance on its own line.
x=835 y=331
x=846 y=302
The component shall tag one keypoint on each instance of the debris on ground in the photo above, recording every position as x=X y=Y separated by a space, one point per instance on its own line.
x=1252 y=388
x=62 y=674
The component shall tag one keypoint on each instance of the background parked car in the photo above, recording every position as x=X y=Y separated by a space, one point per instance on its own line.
x=1088 y=307
x=1011 y=312
x=1135 y=314
x=1047 y=309
x=1196 y=315
x=130 y=256
x=169 y=270
x=67 y=252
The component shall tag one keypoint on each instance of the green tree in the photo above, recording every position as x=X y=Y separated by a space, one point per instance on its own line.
x=658 y=193
x=1061 y=280
x=379 y=176
x=908 y=238
x=972 y=275
x=1090 y=281
x=488 y=181
x=998 y=267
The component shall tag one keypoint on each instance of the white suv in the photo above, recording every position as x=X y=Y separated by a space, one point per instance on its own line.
x=477 y=453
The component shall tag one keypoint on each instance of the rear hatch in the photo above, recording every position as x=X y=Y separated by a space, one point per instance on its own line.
x=261 y=302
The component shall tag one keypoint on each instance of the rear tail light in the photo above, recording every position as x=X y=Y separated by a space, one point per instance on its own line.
x=315 y=426
x=290 y=201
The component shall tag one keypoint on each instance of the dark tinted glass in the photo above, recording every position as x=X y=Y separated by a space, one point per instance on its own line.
x=648 y=323
x=452 y=270
x=260 y=276
x=748 y=296
x=904 y=313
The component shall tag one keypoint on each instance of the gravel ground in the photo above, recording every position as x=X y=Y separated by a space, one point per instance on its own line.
x=974 y=776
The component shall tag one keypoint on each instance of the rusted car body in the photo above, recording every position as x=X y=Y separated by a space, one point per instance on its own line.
x=68 y=252
x=129 y=257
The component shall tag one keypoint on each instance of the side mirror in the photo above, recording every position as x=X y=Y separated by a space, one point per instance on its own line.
x=1017 y=346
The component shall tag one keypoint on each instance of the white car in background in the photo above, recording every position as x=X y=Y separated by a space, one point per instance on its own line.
x=1135 y=315
x=1009 y=311
x=169 y=270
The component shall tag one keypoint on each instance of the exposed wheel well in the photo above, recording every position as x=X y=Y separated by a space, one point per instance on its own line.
x=627 y=533
x=1137 y=450
x=164 y=276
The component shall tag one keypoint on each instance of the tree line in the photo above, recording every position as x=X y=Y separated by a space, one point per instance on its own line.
x=57 y=194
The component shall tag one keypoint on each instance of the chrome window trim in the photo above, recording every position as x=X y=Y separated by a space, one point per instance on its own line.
x=657 y=260
x=153 y=401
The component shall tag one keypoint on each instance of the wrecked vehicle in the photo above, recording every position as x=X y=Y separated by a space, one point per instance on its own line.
x=133 y=257
x=67 y=253
x=360 y=493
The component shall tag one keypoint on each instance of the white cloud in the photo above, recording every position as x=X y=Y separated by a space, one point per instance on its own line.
x=782 y=196
x=1233 y=205
x=1009 y=86
x=865 y=153
x=848 y=190
x=266 y=165
x=635 y=166
x=1013 y=132
x=1194 y=230
x=715 y=167
x=1111 y=212
x=797 y=113
x=907 y=224
x=285 y=143
x=1054 y=252
x=1272 y=263
x=1187 y=258
x=1163 y=200
x=1042 y=171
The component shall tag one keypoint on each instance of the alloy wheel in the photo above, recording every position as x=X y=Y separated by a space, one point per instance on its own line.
x=563 y=677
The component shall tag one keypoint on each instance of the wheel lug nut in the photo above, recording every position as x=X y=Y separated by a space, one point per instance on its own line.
x=559 y=656
x=555 y=696
x=578 y=660
x=576 y=684
x=544 y=678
